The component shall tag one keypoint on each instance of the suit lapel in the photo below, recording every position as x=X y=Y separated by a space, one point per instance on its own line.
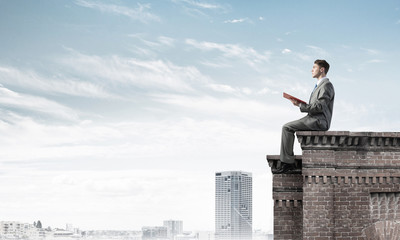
x=318 y=87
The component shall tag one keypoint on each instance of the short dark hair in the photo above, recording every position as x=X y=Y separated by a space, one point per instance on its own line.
x=322 y=63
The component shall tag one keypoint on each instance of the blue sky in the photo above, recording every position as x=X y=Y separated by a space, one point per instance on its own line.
x=117 y=114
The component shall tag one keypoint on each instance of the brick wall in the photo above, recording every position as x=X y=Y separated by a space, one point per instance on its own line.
x=346 y=184
x=288 y=219
x=288 y=204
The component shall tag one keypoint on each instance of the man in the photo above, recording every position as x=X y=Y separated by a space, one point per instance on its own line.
x=319 y=109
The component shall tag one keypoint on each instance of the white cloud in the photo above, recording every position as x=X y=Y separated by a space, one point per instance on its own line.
x=247 y=91
x=234 y=51
x=304 y=57
x=143 y=51
x=355 y=116
x=375 y=61
x=141 y=144
x=309 y=53
x=225 y=108
x=229 y=89
x=200 y=4
x=318 y=51
x=166 y=41
x=217 y=64
x=222 y=88
x=371 y=51
x=161 y=41
x=29 y=103
x=140 y=13
x=200 y=8
x=288 y=82
x=237 y=20
x=266 y=91
x=52 y=85
x=261 y=18
x=151 y=74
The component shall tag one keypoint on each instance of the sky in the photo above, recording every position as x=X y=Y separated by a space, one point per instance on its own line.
x=117 y=114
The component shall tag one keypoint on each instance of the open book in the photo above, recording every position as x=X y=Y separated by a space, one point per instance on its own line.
x=288 y=96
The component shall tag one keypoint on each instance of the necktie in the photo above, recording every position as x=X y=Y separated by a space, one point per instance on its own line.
x=312 y=92
x=314 y=88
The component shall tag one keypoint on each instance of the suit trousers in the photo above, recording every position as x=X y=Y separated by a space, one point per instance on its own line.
x=306 y=123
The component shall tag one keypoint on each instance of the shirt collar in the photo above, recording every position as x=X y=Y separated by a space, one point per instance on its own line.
x=320 y=80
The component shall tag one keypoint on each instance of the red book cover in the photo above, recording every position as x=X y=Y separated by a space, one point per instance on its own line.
x=288 y=96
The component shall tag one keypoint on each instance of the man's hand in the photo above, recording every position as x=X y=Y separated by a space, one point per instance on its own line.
x=296 y=103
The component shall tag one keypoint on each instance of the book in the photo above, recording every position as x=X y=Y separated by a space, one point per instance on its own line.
x=288 y=96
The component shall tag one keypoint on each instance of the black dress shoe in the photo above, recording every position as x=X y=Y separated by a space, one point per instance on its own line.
x=285 y=167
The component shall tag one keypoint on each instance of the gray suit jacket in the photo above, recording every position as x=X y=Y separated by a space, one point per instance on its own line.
x=320 y=106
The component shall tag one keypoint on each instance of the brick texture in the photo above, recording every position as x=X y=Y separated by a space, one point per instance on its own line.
x=347 y=187
x=288 y=206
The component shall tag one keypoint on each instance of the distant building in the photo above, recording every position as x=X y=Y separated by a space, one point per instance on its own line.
x=187 y=236
x=57 y=233
x=174 y=228
x=19 y=230
x=69 y=227
x=233 y=205
x=112 y=234
x=206 y=235
x=155 y=233
x=14 y=229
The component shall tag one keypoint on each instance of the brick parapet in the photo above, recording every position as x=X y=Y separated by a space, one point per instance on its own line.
x=346 y=186
x=344 y=140
x=274 y=163
x=341 y=171
x=351 y=159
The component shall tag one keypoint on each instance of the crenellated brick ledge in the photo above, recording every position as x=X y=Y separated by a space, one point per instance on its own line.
x=348 y=179
x=345 y=140
x=275 y=163
x=288 y=203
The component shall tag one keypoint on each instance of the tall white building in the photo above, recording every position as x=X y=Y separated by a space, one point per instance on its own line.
x=233 y=205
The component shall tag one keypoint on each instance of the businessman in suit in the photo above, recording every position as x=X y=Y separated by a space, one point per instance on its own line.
x=319 y=114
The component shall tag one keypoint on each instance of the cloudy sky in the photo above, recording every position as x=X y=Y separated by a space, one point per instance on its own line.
x=117 y=114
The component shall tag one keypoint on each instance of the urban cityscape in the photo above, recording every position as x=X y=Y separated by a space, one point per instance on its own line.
x=233 y=220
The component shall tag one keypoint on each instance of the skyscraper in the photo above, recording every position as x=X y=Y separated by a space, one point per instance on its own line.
x=233 y=205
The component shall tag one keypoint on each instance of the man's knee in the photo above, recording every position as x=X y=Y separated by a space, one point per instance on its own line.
x=287 y=128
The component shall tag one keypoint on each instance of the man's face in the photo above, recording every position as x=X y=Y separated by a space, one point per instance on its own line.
x=317 y=71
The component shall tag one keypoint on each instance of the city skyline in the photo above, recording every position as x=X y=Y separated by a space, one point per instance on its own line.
x=117 y=114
